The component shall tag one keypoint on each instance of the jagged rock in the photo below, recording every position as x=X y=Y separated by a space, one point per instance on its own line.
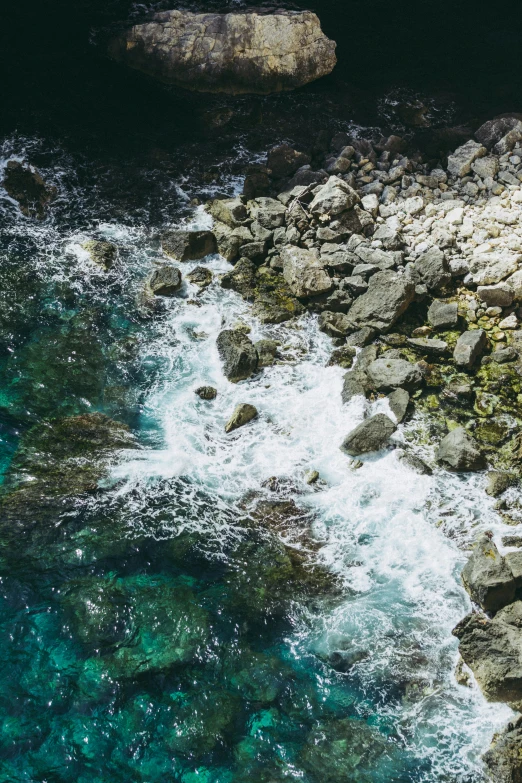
x=428 y=345
x=334 y=197
x=387 y=298
x=243 y=413
x=398 y=401
x=493 y=651
x=283 y=161
x=469 y=347
x=343 y=357
x=304 y=273
x=230 y=211
x=266 y=351
x=432 y=269
x=503 y=760
x=240 y=52
x=362 y=337
x=499 y=295
x=503 y=355
x=164 y=281
x=371 y=435
x=26 y=186
x=415 y=463
x=242 y=278
x=383 y=259
x=100 y=252
x=386 y=374
x=493 y=130
x=230 y=240
x=200 y=276
x=487 y=576
x=269 y=212
x=238 y=355
x=356 y=383
x=459 y=163
x=206 y=392
x=458 y=451
x=334 y=324
x=391 y=238
x=443 y=315
x=188 y=245
x=489 y=268
x=486 y=167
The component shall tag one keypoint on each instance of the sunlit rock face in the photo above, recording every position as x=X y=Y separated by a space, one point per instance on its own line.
x=234 y=53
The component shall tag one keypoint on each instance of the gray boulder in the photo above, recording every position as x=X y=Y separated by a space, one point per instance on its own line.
x=458 y=451
x=266 y=351
x=398 y=400
x=493 y=651
x=386 y=374
x=429 y=346
x=459 y=163
x=387 y=298
x=503 y=760
x=230 y=211
x=188 y=245
x=443 y=315
x=229 y=240
x=362 y=337
x=165 y=280
x=498 y=295
x=304 y=272
x=238 y=355
x=334 y=324
x=432 y=269
x=498 y=482
x=371 y=435
x=243 y=413
x=247 y=51
x=487 y=577
x=334 y=197
x=268 y=212
x=242 y=278
x=469 y=347
x=200 y=276
x=493 y=131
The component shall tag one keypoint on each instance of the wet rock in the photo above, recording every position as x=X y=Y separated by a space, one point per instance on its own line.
x=443 y=315
x=492 y=650
x=164 y=281
x=387 y=298
x=266 y=351
x=283 y=161
x=387 y=374
x=498 y=482
x=371 y=435
x=512 y=541
x=503 y=760
x=398 y=401
x=487 y=576
x=432 y=269
x=469 y=347
x=458 y=451
x=200 y=276
x=242 y=278
x=429 y=346
x=188 y=245
x=460 y=162
x=415 y=463
x=206 y=392
x=26 y=186
x=334 y=324
x=230 y=211
x=238 y=355
x=243 y=413
x=101 y=253
x=343 y=357
x=334 y=197
x=237 y=52
x=356 y=383
x=499 y=295
x=362 y=337
x=304 y=272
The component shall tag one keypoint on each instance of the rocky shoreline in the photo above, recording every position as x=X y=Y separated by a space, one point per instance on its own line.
x=414 y=270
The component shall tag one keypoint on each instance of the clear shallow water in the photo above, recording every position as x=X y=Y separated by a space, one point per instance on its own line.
x=154 y=632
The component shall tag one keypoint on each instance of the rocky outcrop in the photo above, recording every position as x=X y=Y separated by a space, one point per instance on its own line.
x=240 y=52
x=238 y=355
x=387 y=374
x=101 y=253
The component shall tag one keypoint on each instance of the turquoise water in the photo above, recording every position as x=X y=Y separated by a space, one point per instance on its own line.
x=189 y=620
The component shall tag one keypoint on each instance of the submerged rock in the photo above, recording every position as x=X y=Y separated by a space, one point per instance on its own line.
x=101 y=252
x=26 y=186
x=243 y=413
x=266 y=352
x=238 y=355
x=371 y=435
x=200 y=276
x=255 y=51
x=206 y=392
x=459 y=451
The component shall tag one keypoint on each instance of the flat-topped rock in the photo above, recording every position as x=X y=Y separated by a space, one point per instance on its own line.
x=255 y=51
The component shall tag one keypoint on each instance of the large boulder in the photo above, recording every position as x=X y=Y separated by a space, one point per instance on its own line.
x=371 y=435
x=504 y=758
x=101 y=253
x=238 y=355
x=489 y=268
x=164 y=281
x=469 y=347
x=304 y=272
x=257 y=51
x=241 y=415
x=493 y=651
x=387 y=298
x=334 y=197
x=443 y=315
x=387 y=374
x=432 y=269
x=458 y=451
x=487 y=576
x=459 y=163
x=188 y=245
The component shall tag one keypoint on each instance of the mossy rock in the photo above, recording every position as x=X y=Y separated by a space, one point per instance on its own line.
x=273 y=300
